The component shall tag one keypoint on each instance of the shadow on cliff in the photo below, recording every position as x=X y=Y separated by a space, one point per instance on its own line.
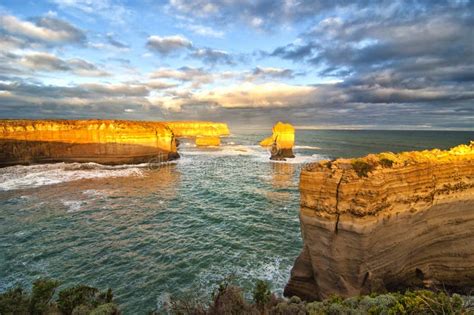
x=14 y=152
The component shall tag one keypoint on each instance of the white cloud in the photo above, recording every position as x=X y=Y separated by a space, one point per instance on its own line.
x=204 y=30
x=106 y=9
x=46 y=29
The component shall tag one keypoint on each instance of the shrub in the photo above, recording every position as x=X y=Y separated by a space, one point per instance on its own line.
x=76 y=296
x=387 y=163
x=14 y=301
x=362 y=168
x=42 y=295
x=261 y=293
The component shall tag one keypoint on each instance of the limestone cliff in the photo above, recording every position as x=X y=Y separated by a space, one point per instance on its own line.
x=198 y=128
x=386 y=221
x=281 y=141
x=101 y=141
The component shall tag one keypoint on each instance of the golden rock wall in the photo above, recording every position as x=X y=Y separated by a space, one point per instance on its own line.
x=100 y=141
x=198 y=128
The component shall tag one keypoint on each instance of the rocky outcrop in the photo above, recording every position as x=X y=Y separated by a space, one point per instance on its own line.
x=386 y=221
x=281 y=142
x=100 y=141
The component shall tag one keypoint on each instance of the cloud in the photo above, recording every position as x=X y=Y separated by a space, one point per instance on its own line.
x=168 y=44
x=213 y=56
x=197 y=76
x=259 y=14
x=271 y=72
x=106 y=9
x=46 y=29
x=160 y=85
x=204 y=30
x=40 y=61
x=115 y=43
x=270 y=94
x=242 y=95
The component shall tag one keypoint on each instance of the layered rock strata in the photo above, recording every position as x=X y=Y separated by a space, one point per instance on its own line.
x=386 y=221
x=100 y=141
x=281 y=142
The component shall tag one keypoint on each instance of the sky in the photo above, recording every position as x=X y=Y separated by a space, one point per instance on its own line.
x=316 y=64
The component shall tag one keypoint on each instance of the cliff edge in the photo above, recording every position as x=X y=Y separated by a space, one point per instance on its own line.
x=100 y=141
x=386 y=221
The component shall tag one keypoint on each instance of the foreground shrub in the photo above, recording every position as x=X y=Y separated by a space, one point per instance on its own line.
x=228 y=299
x=412 y=302
x=261 y=293
x=77 y=300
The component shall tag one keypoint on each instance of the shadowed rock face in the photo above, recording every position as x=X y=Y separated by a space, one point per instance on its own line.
x=386 y=221
x=100 y=141
x=281 y=141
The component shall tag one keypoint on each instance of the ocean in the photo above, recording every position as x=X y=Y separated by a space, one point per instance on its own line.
x=176 y=229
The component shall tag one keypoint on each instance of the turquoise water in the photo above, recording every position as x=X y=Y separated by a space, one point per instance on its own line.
x=177 y=229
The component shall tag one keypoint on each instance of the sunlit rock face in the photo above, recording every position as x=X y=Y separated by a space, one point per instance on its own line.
x=100 y=141
x=208 y=141
x=198 y=128
x=205 y=133
x=281 y=141
x=386 y=221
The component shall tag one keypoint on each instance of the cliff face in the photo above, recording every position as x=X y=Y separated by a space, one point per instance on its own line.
x=386 y=221
x=100 y=141
x=281 y=141
x=198 y=128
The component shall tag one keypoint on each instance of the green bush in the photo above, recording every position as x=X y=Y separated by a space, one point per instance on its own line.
x=261 y=293
x=362 y=168
x=78 y=300
x=14 y=301
x=42 y=295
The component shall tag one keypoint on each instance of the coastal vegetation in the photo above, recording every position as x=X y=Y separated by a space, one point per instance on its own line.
x=229 y=298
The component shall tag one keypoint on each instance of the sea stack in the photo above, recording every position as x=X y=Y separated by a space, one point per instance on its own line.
x=386 y=221
x=203 y=141
x=100 y=141
x=281 y=142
